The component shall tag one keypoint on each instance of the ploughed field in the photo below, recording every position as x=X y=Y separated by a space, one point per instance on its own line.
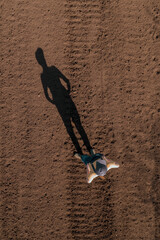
x=108 y=53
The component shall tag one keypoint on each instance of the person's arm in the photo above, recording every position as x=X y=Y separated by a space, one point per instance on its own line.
x=110 y=163
x=90 y=174
x=107 y=160
x=102 y=177
x=91 y=177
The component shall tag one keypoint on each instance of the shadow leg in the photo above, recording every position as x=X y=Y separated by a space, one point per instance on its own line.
x=77 y=122
x=70 y=131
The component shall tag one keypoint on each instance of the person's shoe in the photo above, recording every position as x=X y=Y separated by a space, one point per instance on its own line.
x=77 y=155
x=92 y=152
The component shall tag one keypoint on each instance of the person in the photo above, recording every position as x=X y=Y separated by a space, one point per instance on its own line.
x=97 y=164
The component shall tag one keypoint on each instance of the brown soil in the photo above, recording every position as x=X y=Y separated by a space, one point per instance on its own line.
x=110 y=53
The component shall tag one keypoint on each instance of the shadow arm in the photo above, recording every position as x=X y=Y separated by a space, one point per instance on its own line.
x=65 y=80
x=45 y=88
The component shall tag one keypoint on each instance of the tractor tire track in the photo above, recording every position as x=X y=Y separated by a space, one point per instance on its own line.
x=83 y=45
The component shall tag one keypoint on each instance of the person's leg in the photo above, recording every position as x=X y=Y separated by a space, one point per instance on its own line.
x=86 y=159
x=92 y=152
x=77 y=155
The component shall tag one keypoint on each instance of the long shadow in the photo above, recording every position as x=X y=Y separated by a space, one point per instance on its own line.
x=60 y=96
x=155 y=133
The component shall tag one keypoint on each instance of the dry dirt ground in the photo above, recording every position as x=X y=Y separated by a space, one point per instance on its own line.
x=109 y=54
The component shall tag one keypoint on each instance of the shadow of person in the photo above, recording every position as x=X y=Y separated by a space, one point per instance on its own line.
x=51 y=81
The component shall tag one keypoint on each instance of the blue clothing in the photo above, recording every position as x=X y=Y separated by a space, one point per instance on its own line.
x=90 y=159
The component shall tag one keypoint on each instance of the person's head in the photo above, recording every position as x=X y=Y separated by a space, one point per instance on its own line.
x=100 y=167
x=40 y=57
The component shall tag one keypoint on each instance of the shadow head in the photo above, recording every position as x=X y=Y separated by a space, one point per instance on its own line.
x=40 y=57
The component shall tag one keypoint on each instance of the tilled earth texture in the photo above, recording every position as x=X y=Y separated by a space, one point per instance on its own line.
x=77 y=74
